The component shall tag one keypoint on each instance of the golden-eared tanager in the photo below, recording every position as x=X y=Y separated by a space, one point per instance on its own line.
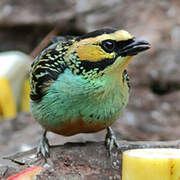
x=80 y=84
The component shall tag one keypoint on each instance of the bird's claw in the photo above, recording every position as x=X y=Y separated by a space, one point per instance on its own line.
x=43 y=148
x=111 y=140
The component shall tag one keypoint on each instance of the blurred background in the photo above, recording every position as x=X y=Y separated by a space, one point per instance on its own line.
x=153 y=112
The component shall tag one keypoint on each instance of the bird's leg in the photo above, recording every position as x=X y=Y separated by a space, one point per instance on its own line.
x=110 y=140
x=43 y=148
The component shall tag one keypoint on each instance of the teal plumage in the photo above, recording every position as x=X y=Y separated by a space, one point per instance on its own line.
x=80 y=85
x=72 y=97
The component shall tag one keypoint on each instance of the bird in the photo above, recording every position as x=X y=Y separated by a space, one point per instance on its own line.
x=80 y=84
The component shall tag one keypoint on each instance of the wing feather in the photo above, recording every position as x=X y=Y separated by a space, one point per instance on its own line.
x=45 y=70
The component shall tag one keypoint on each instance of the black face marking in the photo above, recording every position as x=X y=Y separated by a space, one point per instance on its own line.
x=96 y=33
x=122 y=44
x=108 y=45
x=132 y=47
x=100 y=65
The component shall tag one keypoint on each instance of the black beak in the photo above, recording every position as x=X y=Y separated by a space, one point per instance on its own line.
x=133 y=47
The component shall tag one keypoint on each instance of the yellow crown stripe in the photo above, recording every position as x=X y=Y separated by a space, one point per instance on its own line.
x=120 y=35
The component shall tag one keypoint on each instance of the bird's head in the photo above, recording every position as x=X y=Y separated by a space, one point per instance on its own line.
x=105 y=50
x=103 y=53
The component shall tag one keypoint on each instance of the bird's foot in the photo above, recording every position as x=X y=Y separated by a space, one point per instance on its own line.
x=111 y=140
x=43 y=148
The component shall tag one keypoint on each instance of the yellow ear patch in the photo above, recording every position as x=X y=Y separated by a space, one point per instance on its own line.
x=92 y=53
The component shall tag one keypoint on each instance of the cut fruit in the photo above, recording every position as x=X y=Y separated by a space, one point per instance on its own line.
x=27 y=174
x=151 y=164
x=7 y=101
x=14 y=66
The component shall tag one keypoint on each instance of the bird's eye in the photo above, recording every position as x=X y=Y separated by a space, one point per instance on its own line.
x=108 y=46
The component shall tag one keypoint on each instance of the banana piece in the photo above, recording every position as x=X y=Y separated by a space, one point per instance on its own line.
x=14 y=66
x=151 y=164
x=7 y=101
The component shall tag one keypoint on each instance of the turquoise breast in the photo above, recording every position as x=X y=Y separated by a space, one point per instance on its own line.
x=76 y=105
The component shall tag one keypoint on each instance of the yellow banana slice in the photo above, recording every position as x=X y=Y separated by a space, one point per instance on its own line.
x=7 y=102
x=151 y=164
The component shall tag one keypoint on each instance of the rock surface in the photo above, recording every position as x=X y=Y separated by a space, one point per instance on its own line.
x=79 y=161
